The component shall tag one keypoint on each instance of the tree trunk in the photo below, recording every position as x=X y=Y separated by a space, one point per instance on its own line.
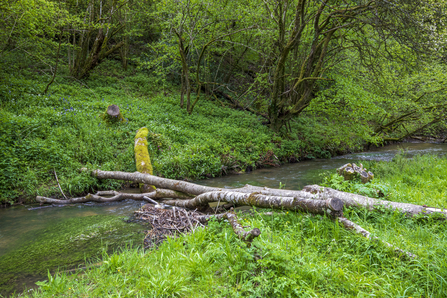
x=331 y=206
x=142 y=159
x=354 y=200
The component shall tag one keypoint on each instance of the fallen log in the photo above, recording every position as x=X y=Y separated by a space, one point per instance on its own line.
x=354 y=200
x=331 y=206
x=314 y=192
x=104 y=197
x=359 y=230
x=182 y=186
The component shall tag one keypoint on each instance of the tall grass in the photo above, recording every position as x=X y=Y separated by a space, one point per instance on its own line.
x=297 y=255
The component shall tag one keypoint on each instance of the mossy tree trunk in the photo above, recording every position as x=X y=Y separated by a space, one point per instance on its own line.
x=142 y=158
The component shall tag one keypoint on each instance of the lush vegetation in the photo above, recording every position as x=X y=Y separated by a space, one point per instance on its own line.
x=222 y=86
x=296 y=255
x=229 y=86
x=64 y=131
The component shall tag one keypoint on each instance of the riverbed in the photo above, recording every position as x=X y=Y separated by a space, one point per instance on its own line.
x=87 y=226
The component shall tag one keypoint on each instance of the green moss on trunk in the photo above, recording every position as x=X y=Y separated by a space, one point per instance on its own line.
x=142 y=158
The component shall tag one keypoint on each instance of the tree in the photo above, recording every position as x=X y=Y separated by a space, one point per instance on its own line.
x=194 y=33
x=311 y=37
x=94 y=39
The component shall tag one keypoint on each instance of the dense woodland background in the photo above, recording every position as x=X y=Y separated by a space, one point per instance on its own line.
x=278 y=80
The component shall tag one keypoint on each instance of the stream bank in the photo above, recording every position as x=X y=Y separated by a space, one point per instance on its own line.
x=34 y=241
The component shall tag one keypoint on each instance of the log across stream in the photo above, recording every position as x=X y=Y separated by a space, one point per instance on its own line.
x=312 y=199
x=19 y=225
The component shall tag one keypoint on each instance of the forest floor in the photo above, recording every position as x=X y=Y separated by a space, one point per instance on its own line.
x=63 y=131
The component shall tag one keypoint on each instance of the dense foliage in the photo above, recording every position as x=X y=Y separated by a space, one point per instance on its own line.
x=304 y=79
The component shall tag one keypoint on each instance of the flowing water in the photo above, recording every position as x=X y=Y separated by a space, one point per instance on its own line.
x=297 y=175
x=87 y=228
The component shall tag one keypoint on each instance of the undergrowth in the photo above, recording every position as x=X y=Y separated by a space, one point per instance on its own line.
x=297 y=255
x=63 y=132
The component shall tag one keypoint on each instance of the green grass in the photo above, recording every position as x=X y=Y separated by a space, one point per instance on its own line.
x=297 y=255
x=63 y=131
x=421 y=180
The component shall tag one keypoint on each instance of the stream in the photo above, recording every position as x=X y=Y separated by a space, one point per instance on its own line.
x=33 y=241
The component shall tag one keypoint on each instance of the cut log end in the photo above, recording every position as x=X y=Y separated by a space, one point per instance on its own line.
x=113 y=115
x=335 y=204
x=113 y=111
x=255 y=232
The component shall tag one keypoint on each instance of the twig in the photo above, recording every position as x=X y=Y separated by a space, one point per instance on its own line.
x=150 y=200
x=187 y=217
x=359 y=230
x=55 y=175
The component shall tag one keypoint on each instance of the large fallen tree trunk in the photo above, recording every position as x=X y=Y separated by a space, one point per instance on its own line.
x=331 y=206
x=313 y=192
x=354 y=200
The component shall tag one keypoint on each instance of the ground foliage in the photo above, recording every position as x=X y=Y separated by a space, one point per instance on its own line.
x=64 y=131
x=296 y=255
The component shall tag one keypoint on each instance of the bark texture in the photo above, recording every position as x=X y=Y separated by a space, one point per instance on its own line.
x=142 y=159
x=359 y=230
x=331 y=206
x=312 y=192
x=355 y=200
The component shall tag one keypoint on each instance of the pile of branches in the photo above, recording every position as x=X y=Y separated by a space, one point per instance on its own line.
x=172 y=221
x=167 y=222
